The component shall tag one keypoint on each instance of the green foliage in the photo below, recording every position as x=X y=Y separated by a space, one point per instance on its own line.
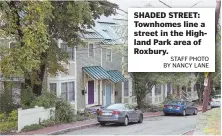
x=32 y=127
x=64 y=111
x=27 y=97
x=46 y=100
x=9 y=122
x=34 y=24
x=6 y=101
x=3 y=117
x=48 y=123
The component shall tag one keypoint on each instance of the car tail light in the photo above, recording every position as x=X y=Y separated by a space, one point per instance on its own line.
x=211 y=100
x=177 y=107
x=99 y=112
x=165 y=106
x=116 y=112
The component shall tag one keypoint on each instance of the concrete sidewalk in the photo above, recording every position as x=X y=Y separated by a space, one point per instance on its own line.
x=61 y=129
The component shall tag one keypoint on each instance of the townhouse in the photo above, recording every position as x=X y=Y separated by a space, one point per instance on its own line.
x=95 y=72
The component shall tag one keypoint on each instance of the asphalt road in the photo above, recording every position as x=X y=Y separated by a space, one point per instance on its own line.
x=163 y=125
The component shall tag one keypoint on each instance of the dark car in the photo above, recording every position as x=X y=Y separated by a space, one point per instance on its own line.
x=180 y=107
x=119 y=113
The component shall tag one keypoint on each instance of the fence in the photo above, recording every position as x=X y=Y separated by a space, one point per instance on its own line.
x=33 y=116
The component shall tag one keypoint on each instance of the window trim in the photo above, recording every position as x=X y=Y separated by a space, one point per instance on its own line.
x=92 y=50
x=111 y=56
x=9 y=44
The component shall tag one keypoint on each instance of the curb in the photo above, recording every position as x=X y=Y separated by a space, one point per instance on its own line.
x=59 y=132
x=188 y=132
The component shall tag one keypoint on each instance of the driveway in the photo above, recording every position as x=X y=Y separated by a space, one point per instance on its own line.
x=163 y=125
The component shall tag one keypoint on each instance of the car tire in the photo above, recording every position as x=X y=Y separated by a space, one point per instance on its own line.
x=184 y=113
x=166 y=114
x=195 y=112
x=126 y=121
x=140 y=118
x=102 y=123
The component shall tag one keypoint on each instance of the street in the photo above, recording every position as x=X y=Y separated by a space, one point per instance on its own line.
x=163 y=125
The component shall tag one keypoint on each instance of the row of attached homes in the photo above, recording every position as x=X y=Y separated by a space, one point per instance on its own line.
x=97 y=74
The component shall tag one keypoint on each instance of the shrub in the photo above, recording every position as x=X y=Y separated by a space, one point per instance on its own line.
x=64 y=111
x=27 y=97
x=32 y=127
x=46 y=100
x=3 y=117
x=8 y=122
x=48 y=123
x=6 y=101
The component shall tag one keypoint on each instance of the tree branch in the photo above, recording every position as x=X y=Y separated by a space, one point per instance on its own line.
x=165 y=4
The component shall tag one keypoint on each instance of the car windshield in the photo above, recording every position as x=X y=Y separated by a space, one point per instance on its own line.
x=175 y=102
x=116 y=106
x=216 y=96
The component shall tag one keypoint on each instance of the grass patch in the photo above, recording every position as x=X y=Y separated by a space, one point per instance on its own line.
x=213 y=126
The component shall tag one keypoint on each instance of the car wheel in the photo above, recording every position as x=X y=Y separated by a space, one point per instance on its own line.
x=140 y=118
x=102 y=123
x=195 y=112
x=126 y=121
x=166 y=114
x=184 y=113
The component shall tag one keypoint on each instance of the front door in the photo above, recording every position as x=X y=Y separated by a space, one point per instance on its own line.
x=108 y=93
x=90 y=92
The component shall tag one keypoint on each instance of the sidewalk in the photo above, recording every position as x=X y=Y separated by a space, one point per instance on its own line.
x=61 y=129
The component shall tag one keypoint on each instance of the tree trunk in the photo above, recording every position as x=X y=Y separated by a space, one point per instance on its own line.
x=140 y=103
x=37 y=88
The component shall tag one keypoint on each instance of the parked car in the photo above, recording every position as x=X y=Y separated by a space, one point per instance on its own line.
x=215 y=101
x=180 y=107
x=119 y=113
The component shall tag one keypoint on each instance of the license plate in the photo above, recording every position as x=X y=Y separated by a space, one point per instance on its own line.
x=170 y=107
x=105 y=113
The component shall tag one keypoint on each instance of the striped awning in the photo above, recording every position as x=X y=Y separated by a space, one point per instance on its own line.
x=116 y=76
x=96 y=72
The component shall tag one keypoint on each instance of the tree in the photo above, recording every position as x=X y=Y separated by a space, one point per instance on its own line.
x=35 y=26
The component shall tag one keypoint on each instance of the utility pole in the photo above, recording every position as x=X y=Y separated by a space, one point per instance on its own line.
x=207 y=91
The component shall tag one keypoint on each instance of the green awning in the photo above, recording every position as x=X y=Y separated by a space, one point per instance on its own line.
x=96 y=72
x=116 y=76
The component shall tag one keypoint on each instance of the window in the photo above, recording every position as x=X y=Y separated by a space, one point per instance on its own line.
x=109 y=54
x=91 y=50
x=116 y=106
x=126 y=88
x=68 y=50
x=53 y=87
x=157 y=89
x=68 y=91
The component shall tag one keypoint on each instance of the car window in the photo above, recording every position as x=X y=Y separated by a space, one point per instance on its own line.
x=216 y=96
x=116 y=106
x=128 y=106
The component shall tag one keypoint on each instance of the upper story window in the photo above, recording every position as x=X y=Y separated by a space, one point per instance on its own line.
x=91 y=50
x=69 y=50
x=109 y=54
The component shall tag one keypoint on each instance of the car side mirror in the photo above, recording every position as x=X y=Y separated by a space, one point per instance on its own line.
x=135 y=108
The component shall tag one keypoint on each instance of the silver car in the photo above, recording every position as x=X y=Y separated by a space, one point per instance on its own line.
x=215 y=101
x=119 y=113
